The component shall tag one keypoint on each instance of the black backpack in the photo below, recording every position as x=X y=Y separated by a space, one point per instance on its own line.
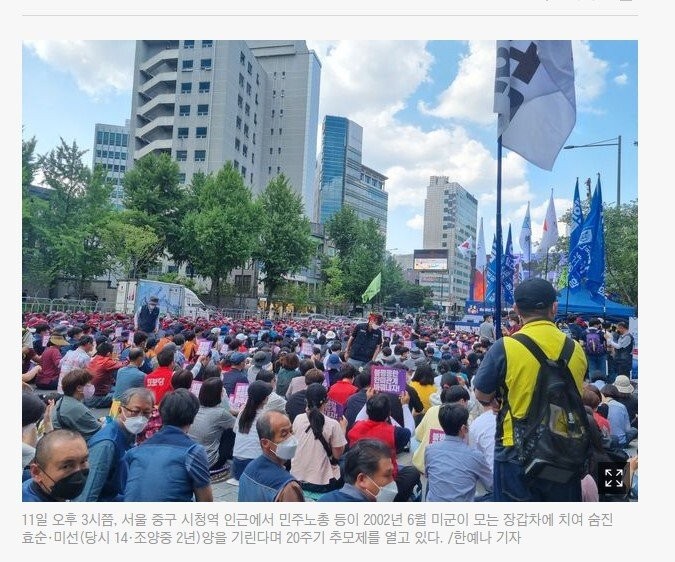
x=553 y=439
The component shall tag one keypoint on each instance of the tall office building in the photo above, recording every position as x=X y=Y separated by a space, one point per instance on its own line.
x=207 y=102
x=341 y=177
x=450 y=217
x=111 y=151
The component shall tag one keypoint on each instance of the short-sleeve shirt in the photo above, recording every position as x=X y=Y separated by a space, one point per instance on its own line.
x=310 y=463
x=365 y=342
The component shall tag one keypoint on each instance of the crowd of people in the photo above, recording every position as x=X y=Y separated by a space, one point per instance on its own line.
x=291 y=409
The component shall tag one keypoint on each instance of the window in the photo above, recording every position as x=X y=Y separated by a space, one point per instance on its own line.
x=278 y=169
x=280 y=129
x=271 y=150
x=99 y=137
x=283 y=74
x=181 y=155
x=282 y=93
x=251 y=177
x=204 y=87
x=274 y=93
x=247 y=109
x=239 y=123
x=241 y=80
x=207 y=43
x=240 y=102
x=203 y=109
x=256 y=99
x=244 y=150
x=201 y=132
x=252 y=157
x=242 y=58
x=105 y=154
x=255 y=118
x=200 y=155
x=123 y=168
x=236 y=164
x=271 y=131
x=281 y=113
x=249 y=68
x=116 y=168
x=188 y=44
x=124 y=155
x=98 y=154
x=205 y=64
x=186 y=88
x=184 y=110
x=253 y=138
x=444 y=245
x=117 y=155
x=246 y=131
x=105 y=137
x=187 y=65
x=269 y=170
x=243 y=171
x=257 y=79
x=248 y=89
x=118 y=139
x=237 y=144
x=279 y=150
x=183 y=132
x=272 y=114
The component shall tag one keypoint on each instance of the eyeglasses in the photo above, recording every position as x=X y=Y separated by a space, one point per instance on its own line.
x=134 y=413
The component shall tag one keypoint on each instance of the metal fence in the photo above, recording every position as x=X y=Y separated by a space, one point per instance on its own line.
x=46 y=306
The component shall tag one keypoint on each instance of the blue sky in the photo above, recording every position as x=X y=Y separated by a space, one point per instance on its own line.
x=427 y=113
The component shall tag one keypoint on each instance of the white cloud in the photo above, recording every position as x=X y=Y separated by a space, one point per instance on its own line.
x=415 y=223
x=590 y=75
x=98 y=67
x=621 y=79
x=470 y=95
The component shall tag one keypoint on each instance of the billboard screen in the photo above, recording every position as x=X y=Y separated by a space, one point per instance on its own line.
x=430 y=260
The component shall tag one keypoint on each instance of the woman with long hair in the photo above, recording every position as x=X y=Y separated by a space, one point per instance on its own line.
x=246 y=442
x=321 y=442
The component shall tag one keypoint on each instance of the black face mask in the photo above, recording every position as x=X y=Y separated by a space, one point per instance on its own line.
x=71 y=486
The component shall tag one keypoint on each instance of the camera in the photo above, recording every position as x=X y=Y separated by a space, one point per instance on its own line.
x=46 y=397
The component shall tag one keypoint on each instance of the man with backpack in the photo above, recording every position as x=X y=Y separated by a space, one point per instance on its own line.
x=516 y=375
x=596 y=350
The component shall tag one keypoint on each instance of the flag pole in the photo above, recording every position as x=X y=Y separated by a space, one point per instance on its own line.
x=498 y=269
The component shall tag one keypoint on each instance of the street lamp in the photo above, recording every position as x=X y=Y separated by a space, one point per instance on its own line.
x=617 y=143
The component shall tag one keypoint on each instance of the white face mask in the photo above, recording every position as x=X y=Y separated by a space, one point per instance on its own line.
x=88 y=390
x=286 y=449
x=386 y=493
x=136 y=424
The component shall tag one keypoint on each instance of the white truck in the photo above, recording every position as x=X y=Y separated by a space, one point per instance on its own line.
x=174 y=299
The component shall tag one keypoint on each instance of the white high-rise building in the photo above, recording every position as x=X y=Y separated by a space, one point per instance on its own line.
x=450 y=217
x=111 y=151
x=207 y=102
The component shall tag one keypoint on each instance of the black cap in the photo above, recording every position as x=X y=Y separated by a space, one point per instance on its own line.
x=535 y=294
x=32 y=408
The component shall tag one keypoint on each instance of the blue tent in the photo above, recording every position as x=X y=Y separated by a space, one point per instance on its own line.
x=579 y=301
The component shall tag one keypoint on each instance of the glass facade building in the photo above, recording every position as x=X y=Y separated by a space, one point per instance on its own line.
x=111 y=151
x=343 y=179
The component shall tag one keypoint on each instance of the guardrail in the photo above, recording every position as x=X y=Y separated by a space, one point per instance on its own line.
x=38 y=305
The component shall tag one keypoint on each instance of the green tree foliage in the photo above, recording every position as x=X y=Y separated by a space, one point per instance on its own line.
x=285 y=243
x=154 y=199
x=133 y=247
x=220 y=230
x=28 y=162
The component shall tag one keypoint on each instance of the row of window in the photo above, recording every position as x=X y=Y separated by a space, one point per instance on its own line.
x=114 y=167
x=247 y=109
x=204 y=64
x=249 y=68
x=199 y=156
x=202 y=109
x=243 y=170
x=184 y=132
x=186 y=87
x=281 y=113
x=239 y=147
x=111 y=154
x=248 y=87
x=190 y=44
x=114 y=139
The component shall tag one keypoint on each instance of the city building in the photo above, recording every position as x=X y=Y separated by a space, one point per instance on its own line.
x=450 y=217
x=341 y=177
x=207 y=102
x=111 y=151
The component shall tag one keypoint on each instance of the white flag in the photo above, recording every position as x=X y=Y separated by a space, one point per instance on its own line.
x=535 y=98
x=465 y=247
x=481 y=256
x=549 y=236
x=525 y=239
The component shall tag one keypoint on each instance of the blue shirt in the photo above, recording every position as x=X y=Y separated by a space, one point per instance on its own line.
x=453 y=469
x=619 y=421
x=128 y=377
x=348 y=493
x=168 y=467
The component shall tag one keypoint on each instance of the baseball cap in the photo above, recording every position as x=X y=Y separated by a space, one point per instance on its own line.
x=535 y=294
x=237 y=357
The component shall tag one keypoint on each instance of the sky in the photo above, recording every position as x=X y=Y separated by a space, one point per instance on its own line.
x=426 y=108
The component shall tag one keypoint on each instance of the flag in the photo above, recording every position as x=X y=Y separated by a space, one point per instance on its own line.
x=577 y=218
x=465 y=247
x=525 y=239
x=549 y=235
x=373 y=288
x=491 y=274
x=588 y=188
x=587 y=260
x=535 y=98
x=508 y=270
x=481 y=262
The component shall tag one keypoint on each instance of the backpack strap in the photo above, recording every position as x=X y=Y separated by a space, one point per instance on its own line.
x=534 y=349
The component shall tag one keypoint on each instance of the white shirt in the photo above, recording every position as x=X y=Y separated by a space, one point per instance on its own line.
x=482 y=435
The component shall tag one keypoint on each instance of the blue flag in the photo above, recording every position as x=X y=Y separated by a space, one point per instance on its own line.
x=587 y=259
x=491 y=274
x=577 y=218
x=508 y=270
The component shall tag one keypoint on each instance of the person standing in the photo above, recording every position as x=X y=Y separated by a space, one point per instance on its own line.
x=509 y=372
x=623 y=350
x=365 y=342
x=147 y=317
x=487 y=329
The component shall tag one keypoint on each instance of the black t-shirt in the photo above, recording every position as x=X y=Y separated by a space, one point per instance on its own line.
x=296 y=404
x=365 y=342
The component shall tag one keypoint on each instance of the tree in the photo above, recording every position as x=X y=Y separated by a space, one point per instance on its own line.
x=285 y=244
x=221 y=229
x=154 y=199
x=132 y=246
x=344 y=229
x=28 y=162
